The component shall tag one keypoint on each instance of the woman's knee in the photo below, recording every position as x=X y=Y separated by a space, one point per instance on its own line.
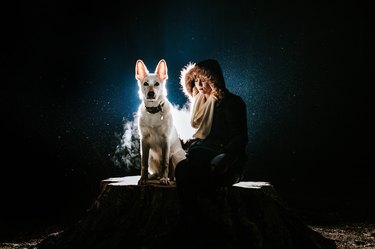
x=201 y=155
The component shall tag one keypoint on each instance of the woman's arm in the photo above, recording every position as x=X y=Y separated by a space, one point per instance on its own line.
x=236 y=118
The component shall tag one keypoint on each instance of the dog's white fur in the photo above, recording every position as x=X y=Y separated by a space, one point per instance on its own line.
x=161 y=147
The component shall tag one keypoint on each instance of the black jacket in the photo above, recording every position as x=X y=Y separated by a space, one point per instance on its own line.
x=229 y=126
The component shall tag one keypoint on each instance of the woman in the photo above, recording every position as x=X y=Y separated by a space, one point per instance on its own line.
x=216 y=155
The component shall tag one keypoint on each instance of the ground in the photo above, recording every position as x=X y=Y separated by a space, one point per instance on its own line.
x=348 y=236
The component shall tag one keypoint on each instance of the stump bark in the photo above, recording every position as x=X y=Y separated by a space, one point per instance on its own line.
x=245 y=215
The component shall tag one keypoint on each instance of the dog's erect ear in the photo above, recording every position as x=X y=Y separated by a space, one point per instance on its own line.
x=161 y=70
x=140 y=70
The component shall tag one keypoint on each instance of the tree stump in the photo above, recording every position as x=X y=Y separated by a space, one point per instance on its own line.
x=245 y=215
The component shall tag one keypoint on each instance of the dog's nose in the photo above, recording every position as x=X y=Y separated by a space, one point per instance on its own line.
x=150 y=94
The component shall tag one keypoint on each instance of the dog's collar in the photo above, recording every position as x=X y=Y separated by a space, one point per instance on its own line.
x=155 y=109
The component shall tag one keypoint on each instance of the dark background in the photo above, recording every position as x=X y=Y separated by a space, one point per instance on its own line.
x=301 y=68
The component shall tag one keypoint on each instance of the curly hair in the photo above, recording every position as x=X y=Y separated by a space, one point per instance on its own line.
x=210 y=71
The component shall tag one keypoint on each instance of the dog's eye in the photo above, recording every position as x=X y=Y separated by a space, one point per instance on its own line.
x=157 y=83
x=145 y=83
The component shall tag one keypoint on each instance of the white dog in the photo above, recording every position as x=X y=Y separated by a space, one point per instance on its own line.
x=161 y=147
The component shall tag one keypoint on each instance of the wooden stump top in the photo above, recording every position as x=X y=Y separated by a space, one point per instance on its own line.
x=133 y=180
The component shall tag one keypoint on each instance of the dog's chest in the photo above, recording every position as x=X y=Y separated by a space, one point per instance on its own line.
x=154 y=124
x=152 y=120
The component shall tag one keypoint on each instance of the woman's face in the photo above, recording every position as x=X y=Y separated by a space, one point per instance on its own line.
x=201 y=83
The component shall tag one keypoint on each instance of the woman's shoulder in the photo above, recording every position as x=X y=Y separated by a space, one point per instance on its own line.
x=233 y=99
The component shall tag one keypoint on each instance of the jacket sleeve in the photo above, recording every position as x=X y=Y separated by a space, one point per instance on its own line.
x=236 y=116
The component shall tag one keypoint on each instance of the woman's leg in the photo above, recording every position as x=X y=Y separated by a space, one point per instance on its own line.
x=194 y=177
x=199 y=159
x=185 y=188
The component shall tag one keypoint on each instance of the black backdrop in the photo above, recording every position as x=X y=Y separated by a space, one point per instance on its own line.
x=301 y=67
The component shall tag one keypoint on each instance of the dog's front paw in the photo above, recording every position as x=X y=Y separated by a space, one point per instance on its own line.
x=142 y=181
x=164 y=181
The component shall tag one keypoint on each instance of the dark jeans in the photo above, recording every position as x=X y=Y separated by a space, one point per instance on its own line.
x=195 y=179
x=196 y=187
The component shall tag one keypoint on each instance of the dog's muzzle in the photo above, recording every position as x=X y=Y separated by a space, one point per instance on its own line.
x=151 y=95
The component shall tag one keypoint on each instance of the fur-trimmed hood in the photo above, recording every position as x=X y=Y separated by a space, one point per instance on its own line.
x=211 y=69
